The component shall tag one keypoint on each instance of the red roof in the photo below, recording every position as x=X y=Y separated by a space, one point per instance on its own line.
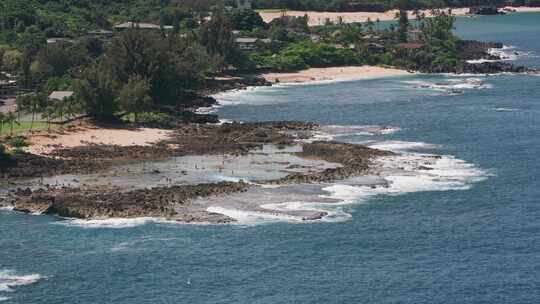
x=411 y=45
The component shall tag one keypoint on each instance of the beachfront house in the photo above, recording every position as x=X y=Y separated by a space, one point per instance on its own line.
x=250 y=44
x=373 y=47
x=60 y=40
x=244 y=4
x=60 y=95
x=141 y=26
x=100 y=34
x=414 y=35
x=8 y=84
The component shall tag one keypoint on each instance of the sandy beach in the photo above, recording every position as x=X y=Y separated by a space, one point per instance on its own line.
x=319 y=18
x=43 y=143
x=335 y=73
x=523 y=9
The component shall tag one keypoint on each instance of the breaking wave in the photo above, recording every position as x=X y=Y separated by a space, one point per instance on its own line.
x=452 y=86
x=506 y=53
x=407 y=172
x=505 y=109
x=333 y=132
x=112 y=223
x=10 y=280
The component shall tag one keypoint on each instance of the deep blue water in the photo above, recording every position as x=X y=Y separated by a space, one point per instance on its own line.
x=474 y=246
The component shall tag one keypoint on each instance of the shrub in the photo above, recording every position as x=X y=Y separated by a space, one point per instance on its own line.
x=18 y=142
x=157 y=119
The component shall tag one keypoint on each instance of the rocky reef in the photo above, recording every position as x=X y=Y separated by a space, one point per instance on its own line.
x=174 y=202
x=110 y=202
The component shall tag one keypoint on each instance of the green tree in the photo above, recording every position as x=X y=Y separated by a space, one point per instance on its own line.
x=217 y=36
x=57 y=59
x=2 y=119
x=246 y=20
x=134 y=96
x=11 y=120
x=48 y=114
x=403 y=24
x=96 y=91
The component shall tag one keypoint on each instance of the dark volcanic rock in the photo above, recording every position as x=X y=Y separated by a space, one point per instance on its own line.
x=103 y=202
x=188 y=139
x=472 y=49
x=485 y=10
x=355 y=161
x=493 y=68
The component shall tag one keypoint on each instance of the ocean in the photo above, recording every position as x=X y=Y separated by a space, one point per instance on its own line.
x=471 y=236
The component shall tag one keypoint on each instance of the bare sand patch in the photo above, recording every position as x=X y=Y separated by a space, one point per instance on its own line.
x=43 y=143
x=523 y=9
x=349 y=73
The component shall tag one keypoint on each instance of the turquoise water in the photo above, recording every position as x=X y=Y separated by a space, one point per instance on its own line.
x=479 y=245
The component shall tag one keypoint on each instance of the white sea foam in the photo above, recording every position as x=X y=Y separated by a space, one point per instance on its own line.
x=6 y=208
x=414 y=173
x=505 y=109
x=400 y=146
x=452 y=86
x=9 y=280
x=331 y=132
x=111 y=223
x=232 y=179
x=3 y=299
x=506 y=53
x=401 y=174
x=247 y=217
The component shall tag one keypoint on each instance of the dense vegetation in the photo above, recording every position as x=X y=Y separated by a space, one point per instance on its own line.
x=142 y=74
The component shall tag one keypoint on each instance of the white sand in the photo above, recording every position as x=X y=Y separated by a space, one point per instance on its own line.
x=319 y=18
x=523 y=9
x=334 y=73
x=43 y=143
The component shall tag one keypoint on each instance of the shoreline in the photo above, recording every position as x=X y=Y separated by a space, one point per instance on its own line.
x=347 y=73
x=319 y=18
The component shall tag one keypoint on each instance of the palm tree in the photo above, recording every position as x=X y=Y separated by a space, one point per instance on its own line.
x=35 y=105
x=2 y=118
x=72 y=108
x=48 y=114
x=11 y=119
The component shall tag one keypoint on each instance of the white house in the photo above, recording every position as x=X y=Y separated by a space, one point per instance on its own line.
x=60 y=95
x=244 y=4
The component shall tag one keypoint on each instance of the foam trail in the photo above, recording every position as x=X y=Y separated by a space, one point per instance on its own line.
x=414 y=173
x=10 y=280
x=400 y=174
x=331 y=132
x=111 y=223
x=245 y=217
x=505 y=109
x=401 y=146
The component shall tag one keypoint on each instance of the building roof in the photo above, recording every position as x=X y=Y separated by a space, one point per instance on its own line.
x=375 y=45
x=410 y=45
x=100 y=32
x=60 y=95
x=246 y=40
x=140 y=25
x=59 y=39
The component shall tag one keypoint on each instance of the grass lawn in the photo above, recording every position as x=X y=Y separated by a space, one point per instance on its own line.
x=272 y=10
x=24 y=126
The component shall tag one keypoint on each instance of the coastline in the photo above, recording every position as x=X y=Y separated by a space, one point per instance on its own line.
x=347 y=73
x=319 y=18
